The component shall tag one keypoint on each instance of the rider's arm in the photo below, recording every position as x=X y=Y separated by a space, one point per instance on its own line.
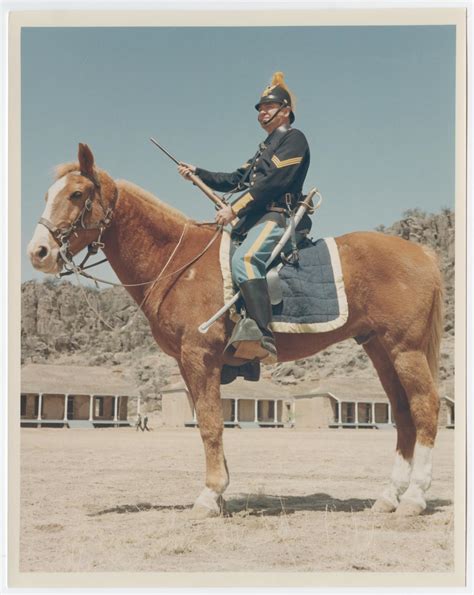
x=223 y=182
x=283 y=172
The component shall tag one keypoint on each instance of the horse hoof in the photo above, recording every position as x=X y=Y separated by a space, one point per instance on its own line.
x=409 y=508
x=199 y=512
x=383 y=505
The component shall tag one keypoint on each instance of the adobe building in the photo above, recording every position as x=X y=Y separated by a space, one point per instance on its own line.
x=75 y=396
x=332 y=403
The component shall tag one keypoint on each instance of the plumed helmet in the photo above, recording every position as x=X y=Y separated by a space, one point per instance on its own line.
x=278 y=92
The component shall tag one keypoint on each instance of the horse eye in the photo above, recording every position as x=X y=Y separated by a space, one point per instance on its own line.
x=76 y=194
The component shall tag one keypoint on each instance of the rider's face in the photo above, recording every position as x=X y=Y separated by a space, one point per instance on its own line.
x=266 y=111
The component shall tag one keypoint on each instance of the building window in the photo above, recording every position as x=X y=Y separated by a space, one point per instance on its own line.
x=364 y=413
x=271 y=410
x=99 y=407
x=23 y=405
x=348 y=413
x=36 y=408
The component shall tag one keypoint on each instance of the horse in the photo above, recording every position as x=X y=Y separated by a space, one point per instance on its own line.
x=394 y=292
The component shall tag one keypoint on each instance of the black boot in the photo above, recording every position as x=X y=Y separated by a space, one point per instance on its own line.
x=260 y=342
x=249 y=371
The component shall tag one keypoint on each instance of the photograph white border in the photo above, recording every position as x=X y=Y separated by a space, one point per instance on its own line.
x=207 y=15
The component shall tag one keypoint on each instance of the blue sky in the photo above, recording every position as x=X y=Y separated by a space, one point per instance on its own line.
x=377 y=105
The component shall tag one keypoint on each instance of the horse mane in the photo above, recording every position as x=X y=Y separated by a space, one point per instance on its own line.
x=65 y=168
x=150 y=199
x=158 y=206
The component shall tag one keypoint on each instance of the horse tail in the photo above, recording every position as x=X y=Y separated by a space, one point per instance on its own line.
x=435 y=321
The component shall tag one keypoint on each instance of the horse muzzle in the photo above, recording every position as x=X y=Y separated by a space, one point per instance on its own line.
x=44 y=254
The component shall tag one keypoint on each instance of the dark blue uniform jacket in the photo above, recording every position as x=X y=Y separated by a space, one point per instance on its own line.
x=279 y=167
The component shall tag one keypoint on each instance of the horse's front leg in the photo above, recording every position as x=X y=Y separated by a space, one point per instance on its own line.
x=203 y=381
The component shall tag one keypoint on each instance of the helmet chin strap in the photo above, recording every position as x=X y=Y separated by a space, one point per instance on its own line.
x=275 y=114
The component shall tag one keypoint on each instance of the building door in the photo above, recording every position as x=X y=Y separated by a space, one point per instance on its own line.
x=70 y=407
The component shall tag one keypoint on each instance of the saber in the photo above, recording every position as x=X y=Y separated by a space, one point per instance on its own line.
x=165 y=151
x=306 y=205
x=196 y=180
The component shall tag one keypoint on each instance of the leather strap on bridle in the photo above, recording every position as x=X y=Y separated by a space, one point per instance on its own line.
x=62 y=235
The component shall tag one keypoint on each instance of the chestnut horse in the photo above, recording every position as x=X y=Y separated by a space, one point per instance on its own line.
x=393 y=288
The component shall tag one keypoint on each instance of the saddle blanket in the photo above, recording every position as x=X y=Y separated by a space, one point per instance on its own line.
x=313 y=298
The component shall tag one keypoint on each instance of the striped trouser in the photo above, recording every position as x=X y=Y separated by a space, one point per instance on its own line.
x=249 y=259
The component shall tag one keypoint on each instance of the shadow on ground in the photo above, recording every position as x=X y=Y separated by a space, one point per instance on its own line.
x=268 y=505
x=139 y=507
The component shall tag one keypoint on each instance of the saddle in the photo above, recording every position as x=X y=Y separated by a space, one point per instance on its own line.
x=307 y=295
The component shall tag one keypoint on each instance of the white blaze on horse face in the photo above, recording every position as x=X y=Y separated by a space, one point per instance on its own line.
x=42 y=237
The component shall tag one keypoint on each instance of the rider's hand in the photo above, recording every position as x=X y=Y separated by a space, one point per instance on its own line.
x=185 y=169
x=225 y=215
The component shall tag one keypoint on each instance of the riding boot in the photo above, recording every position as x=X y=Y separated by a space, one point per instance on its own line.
x=259 y=309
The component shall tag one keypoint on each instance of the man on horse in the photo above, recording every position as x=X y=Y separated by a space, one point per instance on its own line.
x=272 y=181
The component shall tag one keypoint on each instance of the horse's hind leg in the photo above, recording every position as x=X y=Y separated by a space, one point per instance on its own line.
x=415 y=374
x=203 y=383
x=406 y=434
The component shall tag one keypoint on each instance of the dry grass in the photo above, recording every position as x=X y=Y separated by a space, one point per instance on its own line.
x=120 y=500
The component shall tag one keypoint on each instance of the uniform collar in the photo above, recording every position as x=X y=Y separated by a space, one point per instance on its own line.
x=280 y=130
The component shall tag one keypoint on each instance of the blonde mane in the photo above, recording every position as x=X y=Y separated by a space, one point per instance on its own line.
x=158 y=206
x=150 y=199
x=65 y=168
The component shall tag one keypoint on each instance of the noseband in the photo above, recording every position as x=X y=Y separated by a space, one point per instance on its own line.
x=62 y=235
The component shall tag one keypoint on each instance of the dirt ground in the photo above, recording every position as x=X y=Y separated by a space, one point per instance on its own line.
x=114 y=500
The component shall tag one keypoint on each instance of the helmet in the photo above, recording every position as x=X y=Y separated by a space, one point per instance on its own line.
x=277 y=92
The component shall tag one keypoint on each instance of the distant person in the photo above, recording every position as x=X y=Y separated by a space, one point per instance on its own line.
x=145 y=424
x=138 y=424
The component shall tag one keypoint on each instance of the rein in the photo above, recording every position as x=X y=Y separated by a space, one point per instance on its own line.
x=75 y=269
x=62 y=235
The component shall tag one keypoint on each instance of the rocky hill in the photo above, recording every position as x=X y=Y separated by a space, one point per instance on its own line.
x=58 y=326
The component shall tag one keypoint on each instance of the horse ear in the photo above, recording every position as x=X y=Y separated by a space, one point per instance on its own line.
x=86 y=160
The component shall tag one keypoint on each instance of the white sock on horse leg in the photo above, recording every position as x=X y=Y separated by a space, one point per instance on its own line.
x=399 y=480
x=420 y=479
x=208 y=498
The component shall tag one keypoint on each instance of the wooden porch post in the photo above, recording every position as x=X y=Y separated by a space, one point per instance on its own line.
x=40 y=405
x=91 y=407
x=65 y=406
x=236 y=410
x=373 y=412
x=256 y=411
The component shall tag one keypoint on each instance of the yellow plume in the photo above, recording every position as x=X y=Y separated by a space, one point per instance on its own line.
x=278 y=80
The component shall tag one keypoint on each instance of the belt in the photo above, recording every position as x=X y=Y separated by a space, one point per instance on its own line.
x=284 y=204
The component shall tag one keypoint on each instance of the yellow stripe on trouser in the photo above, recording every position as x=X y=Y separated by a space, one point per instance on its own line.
x=255 y=246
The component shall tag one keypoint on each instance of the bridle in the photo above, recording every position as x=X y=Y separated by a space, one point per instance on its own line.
x=61 y=235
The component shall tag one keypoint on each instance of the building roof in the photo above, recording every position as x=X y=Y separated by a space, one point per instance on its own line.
x=80 y=380
x=353 y=389
x=350 y=389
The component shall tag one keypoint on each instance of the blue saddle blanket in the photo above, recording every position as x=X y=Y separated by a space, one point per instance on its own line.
x=313 y=297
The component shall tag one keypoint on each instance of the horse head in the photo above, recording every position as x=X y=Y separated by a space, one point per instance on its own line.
x=79 y=207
